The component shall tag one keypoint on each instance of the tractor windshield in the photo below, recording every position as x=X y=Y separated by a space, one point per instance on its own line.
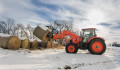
x=87 y=34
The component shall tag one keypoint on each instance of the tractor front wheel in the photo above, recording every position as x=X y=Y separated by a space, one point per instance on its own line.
x=71 y=48
x=97 y=46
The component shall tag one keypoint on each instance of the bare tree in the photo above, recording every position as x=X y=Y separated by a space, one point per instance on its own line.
x=3 y=27
x=21 y=31
x=7 y=26
x=64 y=24
x=14 y=30
x=10 y=25
x=61 y=25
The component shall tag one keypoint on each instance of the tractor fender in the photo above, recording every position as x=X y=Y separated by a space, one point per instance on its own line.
x=95 y=38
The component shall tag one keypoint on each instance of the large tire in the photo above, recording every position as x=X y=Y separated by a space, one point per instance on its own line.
x=97 y=46
x=71 y=48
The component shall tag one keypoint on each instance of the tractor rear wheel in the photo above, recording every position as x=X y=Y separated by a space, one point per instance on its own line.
x=97 y=46
x=71 y=48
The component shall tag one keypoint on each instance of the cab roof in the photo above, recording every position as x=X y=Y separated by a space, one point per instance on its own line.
x=89 y=29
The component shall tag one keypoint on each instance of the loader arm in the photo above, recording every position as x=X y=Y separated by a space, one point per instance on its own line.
x=64 y=33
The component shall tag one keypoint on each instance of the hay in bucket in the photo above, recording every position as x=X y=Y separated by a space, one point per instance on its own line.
x=41 y=34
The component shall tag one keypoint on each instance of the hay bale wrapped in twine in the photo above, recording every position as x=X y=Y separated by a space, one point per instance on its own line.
x=14 y=43
x=41 y=34
x=35 y=44
x=26 y=43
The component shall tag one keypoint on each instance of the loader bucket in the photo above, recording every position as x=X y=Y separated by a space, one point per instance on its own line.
x=41 y=34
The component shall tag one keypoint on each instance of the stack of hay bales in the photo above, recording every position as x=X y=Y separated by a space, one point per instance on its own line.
x=26 y=44
x=12 y=42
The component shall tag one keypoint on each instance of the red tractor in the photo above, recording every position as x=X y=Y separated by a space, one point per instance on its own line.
x=88 y=40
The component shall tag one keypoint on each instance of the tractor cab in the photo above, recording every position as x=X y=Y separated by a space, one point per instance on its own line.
x=88 y=33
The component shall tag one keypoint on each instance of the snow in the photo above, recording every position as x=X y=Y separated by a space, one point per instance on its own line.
x=31 y=40
x=4 y=35
x=43 y=27
x=58 y=59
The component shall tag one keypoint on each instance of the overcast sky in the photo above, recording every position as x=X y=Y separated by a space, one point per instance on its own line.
x=101 y=14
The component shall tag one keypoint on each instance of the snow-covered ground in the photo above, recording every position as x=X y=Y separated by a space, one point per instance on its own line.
x=58 y=59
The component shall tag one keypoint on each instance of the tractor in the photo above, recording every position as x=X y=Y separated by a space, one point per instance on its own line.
x=87 y=40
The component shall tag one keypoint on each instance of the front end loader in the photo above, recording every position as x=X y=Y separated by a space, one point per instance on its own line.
x=88 y=39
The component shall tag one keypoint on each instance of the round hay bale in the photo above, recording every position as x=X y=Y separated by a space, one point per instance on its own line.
x=41 y=34
x=35 y=44
x=14 y=43
x=3 y=42
x=26 y=44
